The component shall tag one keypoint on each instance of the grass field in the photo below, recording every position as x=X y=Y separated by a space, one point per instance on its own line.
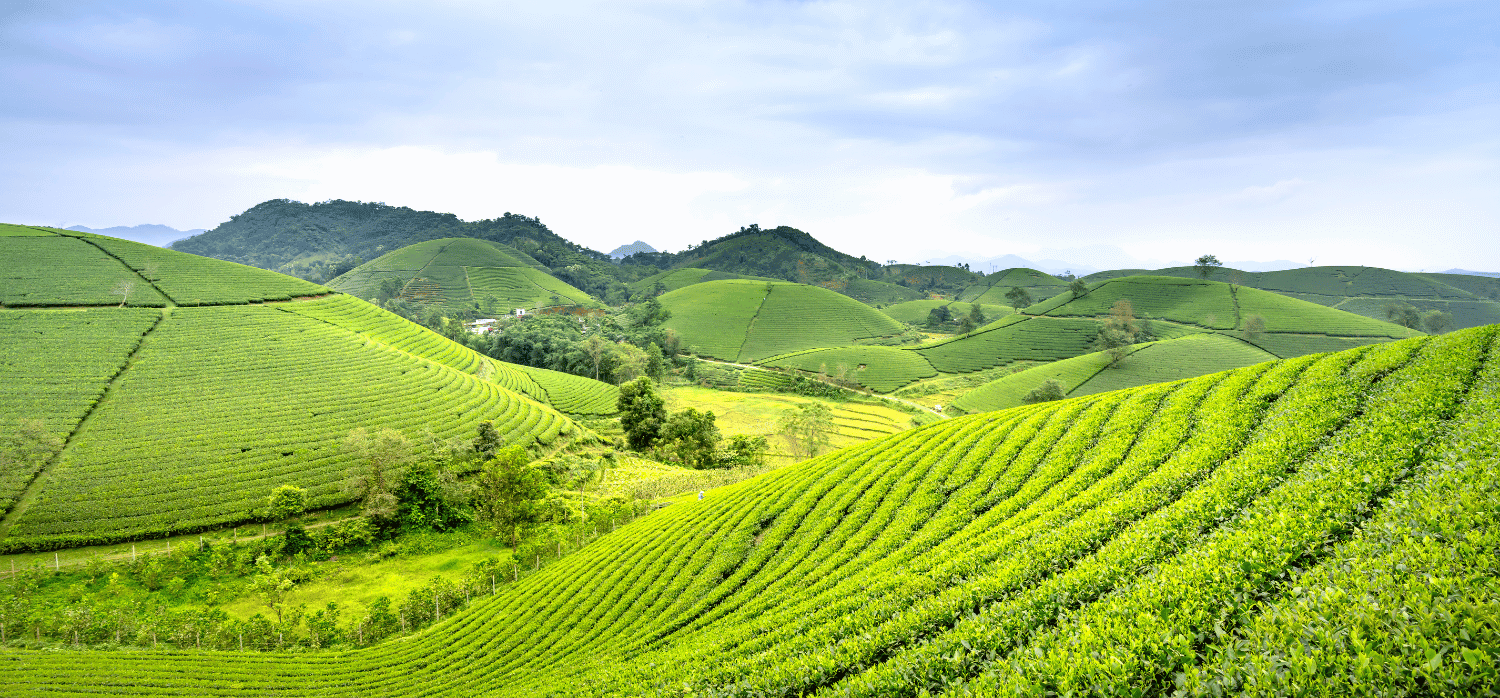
x=757 y=414
x=881 y=369
x=742 y=320
x=1246 y=530
x=993 y=287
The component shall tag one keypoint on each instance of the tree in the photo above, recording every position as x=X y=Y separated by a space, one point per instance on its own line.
x=744 y=451
x=692 y=438
x=286 y=502
x=807 y=428
x=510 y=493
x=123 y=289
x=1018 y=297
x=1255 y=326
x=427 y=497
x=629 y=362
x=1436 y=322
x=642 y=413
x=1206 y=264
x=976 y=314
x=384 y=453
x=272 y=585
x=390 y=287
x=1046 y=392
x=1117 y=332
x=1403 y=314
x=1078 y=288
x=487 y=443
x=656 y=362
x=939 y=316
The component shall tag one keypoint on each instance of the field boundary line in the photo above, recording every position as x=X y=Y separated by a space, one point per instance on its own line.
x=29 y=493
x=170 y=300
x=770 y=288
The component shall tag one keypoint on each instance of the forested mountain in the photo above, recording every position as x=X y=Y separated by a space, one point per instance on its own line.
x=322 y=240
x=782 y=252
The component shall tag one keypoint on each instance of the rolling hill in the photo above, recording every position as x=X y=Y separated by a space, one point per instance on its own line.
x=468 y=273
x=1319 y=525
x=991 y=289
x=183 y=415
x=673 y=279
x=1472 y=300
x=741 y=320
x=1064 y=327
x=916 y=312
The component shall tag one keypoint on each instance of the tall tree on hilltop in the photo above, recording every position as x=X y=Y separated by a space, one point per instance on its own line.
x=1206 y=265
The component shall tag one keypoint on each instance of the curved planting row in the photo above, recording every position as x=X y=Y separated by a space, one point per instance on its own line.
x=1243 y=532
x=29 y=270
x=390 y=329
x=156 y=456
x=192 y=280
x=574 y=394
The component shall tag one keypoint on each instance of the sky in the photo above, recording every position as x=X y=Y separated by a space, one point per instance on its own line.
x=1334 y=132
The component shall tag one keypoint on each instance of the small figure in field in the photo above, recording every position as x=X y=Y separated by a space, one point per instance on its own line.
x=700 y=495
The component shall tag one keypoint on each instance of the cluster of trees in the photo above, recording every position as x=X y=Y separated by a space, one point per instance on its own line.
x=689 y=437
x=1409 y=316
x=942 y=317
x=1121 y=330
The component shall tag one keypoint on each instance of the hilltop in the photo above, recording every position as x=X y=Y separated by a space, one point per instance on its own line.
x=1471 y=300
x=1189 y=537
x=743 y=320
x=180 y=408
x=477 y=275
x=323 y=240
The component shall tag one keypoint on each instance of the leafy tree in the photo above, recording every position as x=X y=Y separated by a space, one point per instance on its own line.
x=939 y=316
x=425 y=500
x=807 y=429
x=744 y=451
x=389 y=288
x=967 y=324
x=976 y=314
x=1403 y=314
x=384 y=454
x=1255 y=326
x=1019 y=298
x=273 y=585
x=1046 y=392
x=642 y=413
x=1206 y=264
x=510 y=493
x=286 y=502
x=656 y=362
x=1436 y=322
x=1078 y=288
x=692 y=438
x=487 y=443
x=1117 y=332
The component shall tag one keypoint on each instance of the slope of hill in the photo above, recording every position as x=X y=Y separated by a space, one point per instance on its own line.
x=322 y=240
x=1152 y=362
x=740 y=320
x=673 y=279
x=463 y=273
x=917 y=312
x=1472 y=300
x=1247 y=531
x=182 y=417
x=781 y=253
x=991 y=289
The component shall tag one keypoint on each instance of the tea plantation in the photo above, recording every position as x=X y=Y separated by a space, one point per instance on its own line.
x=745 y=320
x=463 y=272
x=182 y=417
x=1322 y=525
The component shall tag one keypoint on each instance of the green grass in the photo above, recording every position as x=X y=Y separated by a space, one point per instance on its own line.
x=992 y=288
x=741 y=320
x=872 y=292
x=1187 y=301
x=673 y=279
x=521 y=287
x=1284 y=314
x=1242 y=531
x=188 y=279
x=1008 y=391
x=8 y=230
x=1013 y=338
x=1159 y=362
x=757 y=414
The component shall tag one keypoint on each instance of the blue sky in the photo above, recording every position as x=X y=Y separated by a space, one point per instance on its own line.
x=1350 y=132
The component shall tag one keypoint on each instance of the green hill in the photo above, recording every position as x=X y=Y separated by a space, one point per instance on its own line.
x=917 y=312
x=673 y=279
x=1321 y=525
x=478 y=275
x=181 y=417
x=991 y=289
x=740 y=320
x=1152 y=362
x=1472 y=300
x=322 y=240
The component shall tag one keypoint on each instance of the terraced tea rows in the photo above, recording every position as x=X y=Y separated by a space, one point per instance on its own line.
x=463 y=273
x=192 y=280
x=28 y=274
x=1226 y=533
x=881 y=369
x=741 y=320
x=156 y=457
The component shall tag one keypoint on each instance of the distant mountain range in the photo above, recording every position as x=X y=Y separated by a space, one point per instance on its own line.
x=1491 y=274
x=634 y=247
x=150 y=233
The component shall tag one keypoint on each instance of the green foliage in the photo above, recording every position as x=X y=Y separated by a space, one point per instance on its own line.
x=509 y=493
x=1046 y=392
x=642 y=413
x=807 y=429
x=881 y=369
x=1206 y=264
x=691 y=438
x=286 y=502
x=1203 y=536
x=1018 y=297
x=29 y=266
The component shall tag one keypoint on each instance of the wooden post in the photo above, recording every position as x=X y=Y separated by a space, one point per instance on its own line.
x=515 y=571
x=492 y=585
x=242 y=642
x=278 y=640
x=132 y=552
x=56 y=565
x=437 y=611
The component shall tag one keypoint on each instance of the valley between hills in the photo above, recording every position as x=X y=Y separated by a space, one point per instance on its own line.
x=353 y=449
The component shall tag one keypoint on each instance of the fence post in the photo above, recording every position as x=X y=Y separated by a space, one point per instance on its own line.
x=132 y=552
x=437 y=611
x=56 y=565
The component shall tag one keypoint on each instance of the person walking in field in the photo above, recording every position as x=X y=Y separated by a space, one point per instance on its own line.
x=700 y=495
